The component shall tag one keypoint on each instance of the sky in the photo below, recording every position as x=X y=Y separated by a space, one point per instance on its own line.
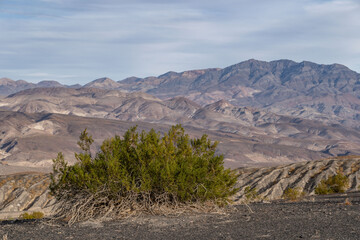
x=77 y=41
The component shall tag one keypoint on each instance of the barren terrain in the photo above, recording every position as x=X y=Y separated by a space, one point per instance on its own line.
x=328 y=93
x=29 y=192
x=262 y=113
x=327 y=219
x=33 y=130
x=32 y=140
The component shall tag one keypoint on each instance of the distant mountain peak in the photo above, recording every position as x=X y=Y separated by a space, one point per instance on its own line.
x=49 y=83
x=129 y=79
x=6 y=80
x=103 y=79
x=105 y=82
x=168 y=74
x=196 y=73
x=220 y=104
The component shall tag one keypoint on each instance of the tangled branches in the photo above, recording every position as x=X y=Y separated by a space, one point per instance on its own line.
x=83 y=206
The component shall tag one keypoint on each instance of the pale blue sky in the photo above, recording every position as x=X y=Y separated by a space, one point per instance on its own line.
x=76 y=41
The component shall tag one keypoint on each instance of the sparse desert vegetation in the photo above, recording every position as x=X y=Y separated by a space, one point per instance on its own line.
x=269 y=182
x=343 y=209
x=251 y=194
x=337 y=183
x=293 y=194
x=142 y=172
x=272 y=182
x=303 y=220
x=33 y=215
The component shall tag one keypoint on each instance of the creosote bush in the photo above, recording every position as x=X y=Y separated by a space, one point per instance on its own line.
x=141 y=172
x=293 y=194
x=338 y=183
x=251 y=194
x=34 y=215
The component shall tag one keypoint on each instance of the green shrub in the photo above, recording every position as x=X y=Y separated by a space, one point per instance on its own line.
x=251 y=194
x=143 y=172
x=338 y=183
x=34 y=215
x=293 y=194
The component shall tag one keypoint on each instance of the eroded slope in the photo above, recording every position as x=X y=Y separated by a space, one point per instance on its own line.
x=29 y=192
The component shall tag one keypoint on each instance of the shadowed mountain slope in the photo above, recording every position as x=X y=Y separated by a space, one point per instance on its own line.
x=104 y=83
x=329 y=93
x=247 y=136
x=325 y=92
x=30 y=141
x=8 y=86
x=274 y=112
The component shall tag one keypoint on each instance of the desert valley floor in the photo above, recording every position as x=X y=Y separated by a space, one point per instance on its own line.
x=322 y=218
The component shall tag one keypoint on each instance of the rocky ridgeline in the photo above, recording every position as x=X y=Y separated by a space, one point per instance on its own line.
x=29 y=192
x=270 y=183
x=25 y=193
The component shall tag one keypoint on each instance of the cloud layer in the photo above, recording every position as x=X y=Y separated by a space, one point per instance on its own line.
x=78 y=41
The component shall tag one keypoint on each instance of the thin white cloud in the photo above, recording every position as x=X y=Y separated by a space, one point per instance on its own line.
x=47 y=75
x=38 y=74
x=69 y=38
x=333 y=7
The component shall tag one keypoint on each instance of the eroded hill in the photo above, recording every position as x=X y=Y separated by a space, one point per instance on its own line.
x=30 y=141
x=29 y=192
x=329 y=93
x=33 y=132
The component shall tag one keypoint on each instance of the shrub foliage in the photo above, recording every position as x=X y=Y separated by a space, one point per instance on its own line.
x=251 y=194
x=141 y=171
x=293 y=194
x=34 y=215
x=338 y=183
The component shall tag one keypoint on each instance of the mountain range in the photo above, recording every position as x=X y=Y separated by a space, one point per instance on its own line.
x=9 y=86
x=330 y=93
x=263 y=113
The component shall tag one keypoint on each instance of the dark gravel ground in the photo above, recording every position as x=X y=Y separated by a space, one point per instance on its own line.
x=323 y=219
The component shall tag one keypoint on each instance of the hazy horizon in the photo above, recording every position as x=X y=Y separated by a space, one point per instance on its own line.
x=99 y=77
x=75 y=42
